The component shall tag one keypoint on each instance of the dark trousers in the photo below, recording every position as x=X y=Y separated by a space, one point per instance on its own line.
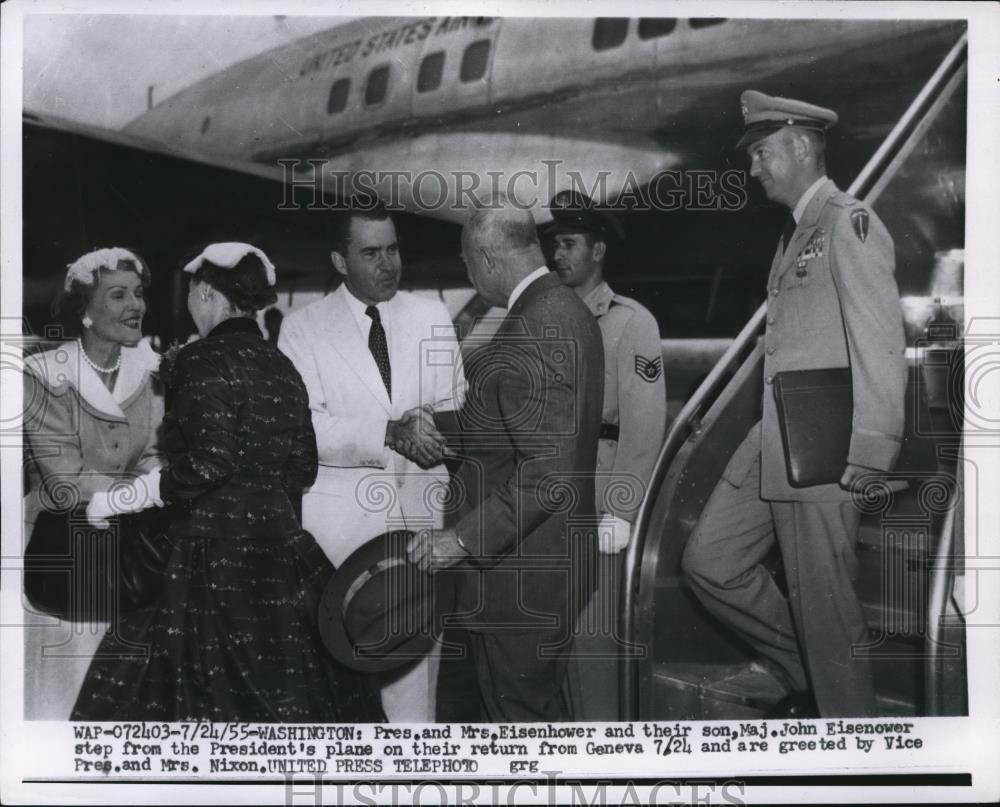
x=503 y=677
x=593 y=675
x=811 y=634
x=458 y=698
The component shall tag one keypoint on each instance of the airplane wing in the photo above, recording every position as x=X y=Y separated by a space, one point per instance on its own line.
x=84 y=185
x=112 y=137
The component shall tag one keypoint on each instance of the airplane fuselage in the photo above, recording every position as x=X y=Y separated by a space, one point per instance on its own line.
x=628 y=98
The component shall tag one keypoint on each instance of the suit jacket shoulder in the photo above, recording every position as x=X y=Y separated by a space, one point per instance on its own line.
x=844 y=210
x=421 y=308
x=408 y=300
x=320 y=308
x=541 y=301
x=632 y=314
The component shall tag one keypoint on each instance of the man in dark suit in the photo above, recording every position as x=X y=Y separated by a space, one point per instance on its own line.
x=525 y=538
x=832 y=302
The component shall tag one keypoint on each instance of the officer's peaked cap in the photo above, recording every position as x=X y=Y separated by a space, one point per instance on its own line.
x=765 y=114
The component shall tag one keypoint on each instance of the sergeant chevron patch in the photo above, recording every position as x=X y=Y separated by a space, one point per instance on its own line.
x=859 y=219
x=648 y=369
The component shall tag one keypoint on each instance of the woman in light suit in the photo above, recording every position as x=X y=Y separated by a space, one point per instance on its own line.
x=92 y=408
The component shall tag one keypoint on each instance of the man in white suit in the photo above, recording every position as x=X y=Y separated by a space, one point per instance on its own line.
x=376 y=363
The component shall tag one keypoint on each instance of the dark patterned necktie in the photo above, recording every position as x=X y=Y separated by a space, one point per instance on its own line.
x=379 y=348
x=786 y=234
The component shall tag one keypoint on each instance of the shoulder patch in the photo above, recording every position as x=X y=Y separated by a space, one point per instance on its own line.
x=648 y=369
x=859 y=221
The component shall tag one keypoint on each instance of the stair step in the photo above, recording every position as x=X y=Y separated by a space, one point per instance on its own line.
x=910 y=538
x=713 y=692
x=745 y=691
x=895 y=707
x=905 y=624
x=894 y=591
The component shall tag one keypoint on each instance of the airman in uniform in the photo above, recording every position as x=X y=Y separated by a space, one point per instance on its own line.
x=832 y=302
x=632 y=428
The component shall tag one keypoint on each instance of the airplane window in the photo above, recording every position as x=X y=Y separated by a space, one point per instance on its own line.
x=338 y=96
x=206 y=123
x=378 y=83
x=431 y=68
x=609 y=32
x=652 y=27
x=474 y=60
x=704 y=22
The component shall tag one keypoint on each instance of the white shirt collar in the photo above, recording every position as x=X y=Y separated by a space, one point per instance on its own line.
x=805 y=198
x=358 y=309
x=541 y=271
x=599 y=299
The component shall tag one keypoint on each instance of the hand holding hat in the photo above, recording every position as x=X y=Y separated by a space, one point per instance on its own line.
x=378 y=610
x=431 y=550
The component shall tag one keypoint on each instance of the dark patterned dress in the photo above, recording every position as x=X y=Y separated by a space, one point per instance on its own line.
x=234 y=634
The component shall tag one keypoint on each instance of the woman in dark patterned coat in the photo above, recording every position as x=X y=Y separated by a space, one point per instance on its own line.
x=234 y=635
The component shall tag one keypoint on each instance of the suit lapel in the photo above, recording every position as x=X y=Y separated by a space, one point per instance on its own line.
x=801 y=237
x=400 y=336
x=92 y=389
x=137 y=363
x=803 y=232
x=346 y=338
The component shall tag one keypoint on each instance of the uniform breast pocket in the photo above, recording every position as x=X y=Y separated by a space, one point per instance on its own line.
x=817 y=305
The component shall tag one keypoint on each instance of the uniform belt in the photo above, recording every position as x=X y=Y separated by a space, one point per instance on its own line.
x=609 y=431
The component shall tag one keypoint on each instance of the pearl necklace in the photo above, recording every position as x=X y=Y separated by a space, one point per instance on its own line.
x=97 y=368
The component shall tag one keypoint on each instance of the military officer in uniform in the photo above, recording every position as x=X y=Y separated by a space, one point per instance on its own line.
x=632 y=426
x=832 y=302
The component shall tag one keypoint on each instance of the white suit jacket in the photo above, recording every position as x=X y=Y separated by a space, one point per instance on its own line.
x=363 y=488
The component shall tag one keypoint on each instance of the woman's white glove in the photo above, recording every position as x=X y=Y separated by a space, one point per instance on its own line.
x=613 y=534
x=125 y=497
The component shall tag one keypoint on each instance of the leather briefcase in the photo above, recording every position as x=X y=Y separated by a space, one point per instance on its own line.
x=815 y=411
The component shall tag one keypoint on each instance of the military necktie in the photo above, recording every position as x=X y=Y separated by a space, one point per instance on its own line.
x=379 y=348
x=786 y=234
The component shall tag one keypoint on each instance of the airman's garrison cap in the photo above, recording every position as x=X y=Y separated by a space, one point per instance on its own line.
x=764 y=114
x=575 y=212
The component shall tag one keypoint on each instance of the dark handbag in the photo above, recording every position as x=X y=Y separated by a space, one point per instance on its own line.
x=81 y=573
x=815 y=413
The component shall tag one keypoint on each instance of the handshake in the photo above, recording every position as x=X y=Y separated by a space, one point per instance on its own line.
x=125 y=497
x=416 y=438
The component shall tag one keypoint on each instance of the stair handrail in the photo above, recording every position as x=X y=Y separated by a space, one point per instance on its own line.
x=686 y=424
x=942 y=584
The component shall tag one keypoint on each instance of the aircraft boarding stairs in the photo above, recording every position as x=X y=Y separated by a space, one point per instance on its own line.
x=699 y=671
x=678 y=662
